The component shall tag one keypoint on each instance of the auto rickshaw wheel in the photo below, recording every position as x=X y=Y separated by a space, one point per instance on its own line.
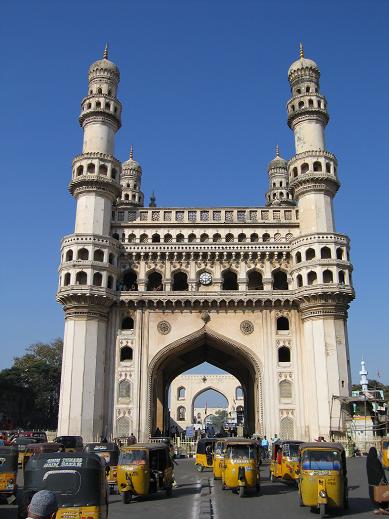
x=199 y=467
x=241 y=491
x=126 y=497
x=169 y=491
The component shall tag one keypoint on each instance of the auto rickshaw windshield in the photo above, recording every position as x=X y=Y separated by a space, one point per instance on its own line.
x=241 y=452
x=291 y=450
x=321 y=460
x=8 y=463
x=133 y=457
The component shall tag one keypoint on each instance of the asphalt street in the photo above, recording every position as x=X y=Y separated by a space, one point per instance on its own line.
x=198 y=496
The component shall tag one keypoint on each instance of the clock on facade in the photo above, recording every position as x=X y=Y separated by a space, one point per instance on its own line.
x=205 y=278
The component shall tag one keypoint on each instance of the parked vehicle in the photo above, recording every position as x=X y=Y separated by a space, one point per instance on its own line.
x=8 y=471
x=109 y=452
x=285 y=461
x=39 y=448
x=241 y=461
x=204 y=453
x=71 y=443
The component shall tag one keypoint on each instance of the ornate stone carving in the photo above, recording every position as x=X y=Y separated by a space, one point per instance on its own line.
x=246 y=327
x=164 y=327
x=205 y=317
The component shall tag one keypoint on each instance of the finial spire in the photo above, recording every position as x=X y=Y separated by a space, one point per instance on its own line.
x=277 y=150
x=131 y=152
x=301 y=51
x=105 y=55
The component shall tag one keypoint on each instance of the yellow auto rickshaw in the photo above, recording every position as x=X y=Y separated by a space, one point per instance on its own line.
x=78 y=480
x=20 y=443
x=385 y=452
x=240 y=469
x=8 y=471
x=40 y=448
x=71 y=443
x=143 y=469
x=204 y=453
x=285 y=461
x=218 y=457
x=109 y=452
x=323 y=477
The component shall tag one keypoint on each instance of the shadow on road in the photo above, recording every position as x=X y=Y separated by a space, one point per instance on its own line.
x=359 y=505
x=177 y=492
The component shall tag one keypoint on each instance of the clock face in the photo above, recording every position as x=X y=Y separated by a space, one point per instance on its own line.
x=205 y=278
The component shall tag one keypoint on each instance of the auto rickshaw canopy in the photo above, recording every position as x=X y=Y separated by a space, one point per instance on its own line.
x=8 y=459
x=108 y=451
x=203 y=443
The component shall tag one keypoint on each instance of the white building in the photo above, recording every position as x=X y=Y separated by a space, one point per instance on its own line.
x=149 y=292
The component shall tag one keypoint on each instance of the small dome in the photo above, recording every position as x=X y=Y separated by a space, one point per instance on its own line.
x=278 y=161
x=302 y=63
x=104 y=64
x=132 y=165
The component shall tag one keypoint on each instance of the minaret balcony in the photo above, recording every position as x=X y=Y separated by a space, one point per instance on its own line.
x=97 y=105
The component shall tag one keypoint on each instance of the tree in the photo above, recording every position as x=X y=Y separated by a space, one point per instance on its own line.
x=218 y=419
x=35 y=378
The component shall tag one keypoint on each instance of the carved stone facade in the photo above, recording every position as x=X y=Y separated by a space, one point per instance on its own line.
x=150 y=292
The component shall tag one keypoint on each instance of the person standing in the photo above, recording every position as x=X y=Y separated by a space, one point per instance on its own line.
x=375 y=476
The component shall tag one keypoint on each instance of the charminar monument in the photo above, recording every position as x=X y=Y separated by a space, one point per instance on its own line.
x=150 y=292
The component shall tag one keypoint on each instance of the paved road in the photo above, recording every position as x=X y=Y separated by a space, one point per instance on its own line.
x=199 y=497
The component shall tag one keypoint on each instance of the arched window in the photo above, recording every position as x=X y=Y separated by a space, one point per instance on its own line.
x=123 y=237
x=328 y=167
x=317 y=166
x=181 y=391
x=341 y=277
x=97 y=279
x=239 y=393
x=298 y=257
x=312 y=278
x=154 y=281
x=299 y=280
x=254 y=238
x=124 y=389
x=301 y=104
x=155 y=238
x=168 y=238
x=127 y=323
x=298 y=91
x=103 y=170
x=111 y=258
x=143 y=238
x=308 y=89
x=216 y=237
x=285 y=390
x=130 y=281
x=180 y=238
x=126 y=196
x=83 y=254
x=69 y=255
x=80 y=170
x=282 y=323
x=113 y=173
x=110 y=282
x=90 y=168
x=115 y=236
x=239 y=414
x=98 y=255
x=277 y=236
x=283 y=354
x=287 y=428
x=180 y=414
x=99 y=90
x=66 y=280
x=254 y=280
x=204 y=238
x=305 y=168
x=280 y=280
x=126 y=353
x=265 y=237
x=229 y=237
x=230 y=280
x=191 y=238
x=310 y=254
x=328 y=276
x=325 y=253
x=241 y=237
x=98 y=104
x=123 y=427
x=180 y=281
x=81 y=278
x=339 y=253
x=295 y=172
x=107 y=106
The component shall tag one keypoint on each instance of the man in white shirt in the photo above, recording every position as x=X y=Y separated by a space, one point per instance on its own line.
x=43 y=505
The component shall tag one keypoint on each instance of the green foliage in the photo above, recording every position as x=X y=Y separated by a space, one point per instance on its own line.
x=218 y=419
x=29 y=390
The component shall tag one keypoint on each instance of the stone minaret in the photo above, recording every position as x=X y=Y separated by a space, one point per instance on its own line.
x=88 y=258
x=131 y=180
x=363 y=377
x=279 y=193
x=321 y=267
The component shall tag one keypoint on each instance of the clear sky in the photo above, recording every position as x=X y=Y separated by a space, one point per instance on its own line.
x=204 y=87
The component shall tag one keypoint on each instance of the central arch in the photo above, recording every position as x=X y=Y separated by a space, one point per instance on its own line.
x=204 y=345
x=204 y=390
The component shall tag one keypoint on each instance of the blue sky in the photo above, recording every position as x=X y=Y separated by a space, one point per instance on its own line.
x=204 y=87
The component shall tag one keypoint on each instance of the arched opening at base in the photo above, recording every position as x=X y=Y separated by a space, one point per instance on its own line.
x=204 y=345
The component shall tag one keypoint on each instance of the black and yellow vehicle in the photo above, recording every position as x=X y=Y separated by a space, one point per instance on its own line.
x=218 y=457
x=20 y=443
x=78 y=481
x=8 y=471
x=40 y=448
x=323 y=477
x=241 y=461
x=285 y=461
x=385 y=452
x=204 y=453
x=143 y=469
x=71 y=443
x=109 y=452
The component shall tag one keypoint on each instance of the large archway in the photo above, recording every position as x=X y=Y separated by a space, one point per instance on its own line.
x=204 y=345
